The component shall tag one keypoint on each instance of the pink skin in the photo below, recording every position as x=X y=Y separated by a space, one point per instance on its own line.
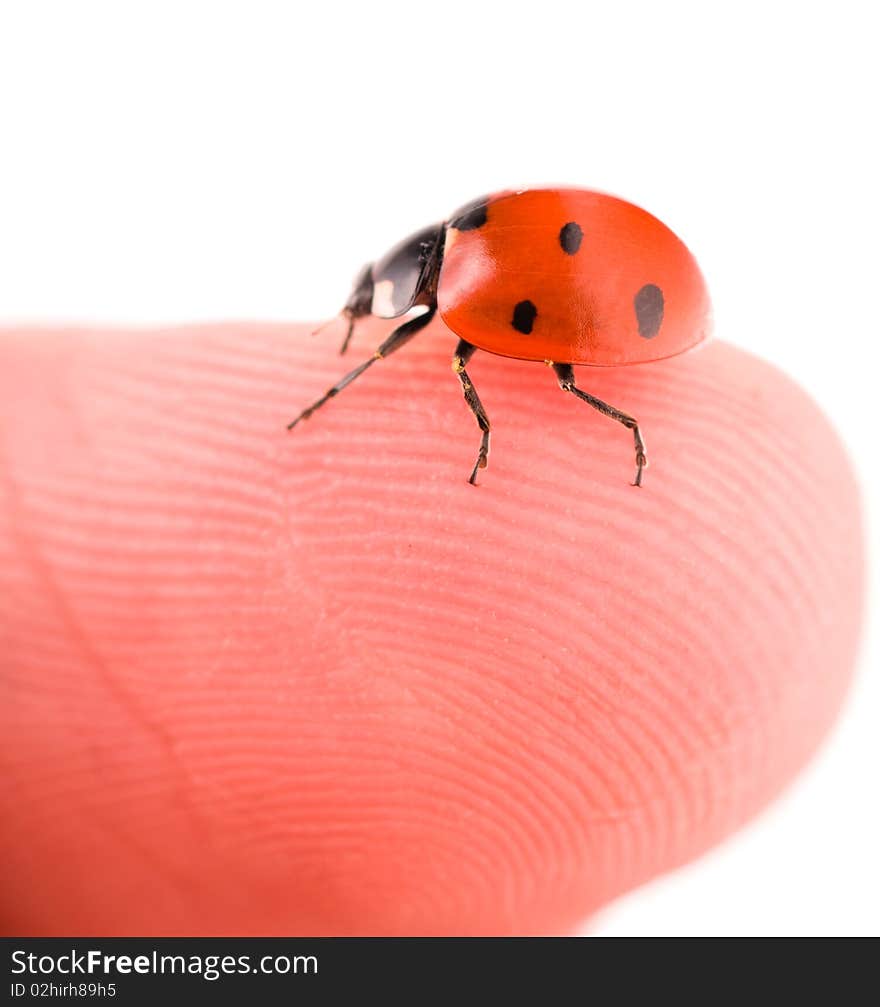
x=254 y=682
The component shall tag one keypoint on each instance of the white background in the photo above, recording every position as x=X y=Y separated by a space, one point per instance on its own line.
x=175 y=161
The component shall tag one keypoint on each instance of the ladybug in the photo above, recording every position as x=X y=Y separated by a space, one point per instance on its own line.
x=563 y=276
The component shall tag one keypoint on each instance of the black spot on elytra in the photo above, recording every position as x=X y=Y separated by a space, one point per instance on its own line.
x=524 y=315
x=648 y=303
x=470 y=216
x=570 y=237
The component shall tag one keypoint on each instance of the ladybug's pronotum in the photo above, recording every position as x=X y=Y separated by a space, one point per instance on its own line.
x=564 y=276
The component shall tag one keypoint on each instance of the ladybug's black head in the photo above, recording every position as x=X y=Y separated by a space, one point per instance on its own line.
x=406 y=276
x=360 y=300
x=401 y=279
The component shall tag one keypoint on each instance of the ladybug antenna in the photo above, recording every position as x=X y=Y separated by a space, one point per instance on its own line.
x=324 y=325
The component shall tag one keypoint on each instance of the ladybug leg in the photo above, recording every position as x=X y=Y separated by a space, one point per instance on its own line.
x=565 y=377
x=401 y=335
x=359 y=303
x=348 y=334
x=463 y=353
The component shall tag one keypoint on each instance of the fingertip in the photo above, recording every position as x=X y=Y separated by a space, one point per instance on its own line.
x=425 y=709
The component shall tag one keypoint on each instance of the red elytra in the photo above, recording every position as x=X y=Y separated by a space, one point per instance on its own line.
x=564 y=276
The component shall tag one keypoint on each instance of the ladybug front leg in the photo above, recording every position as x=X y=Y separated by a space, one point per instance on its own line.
x=565 y=377
x=400 y=336
x=463 y=353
